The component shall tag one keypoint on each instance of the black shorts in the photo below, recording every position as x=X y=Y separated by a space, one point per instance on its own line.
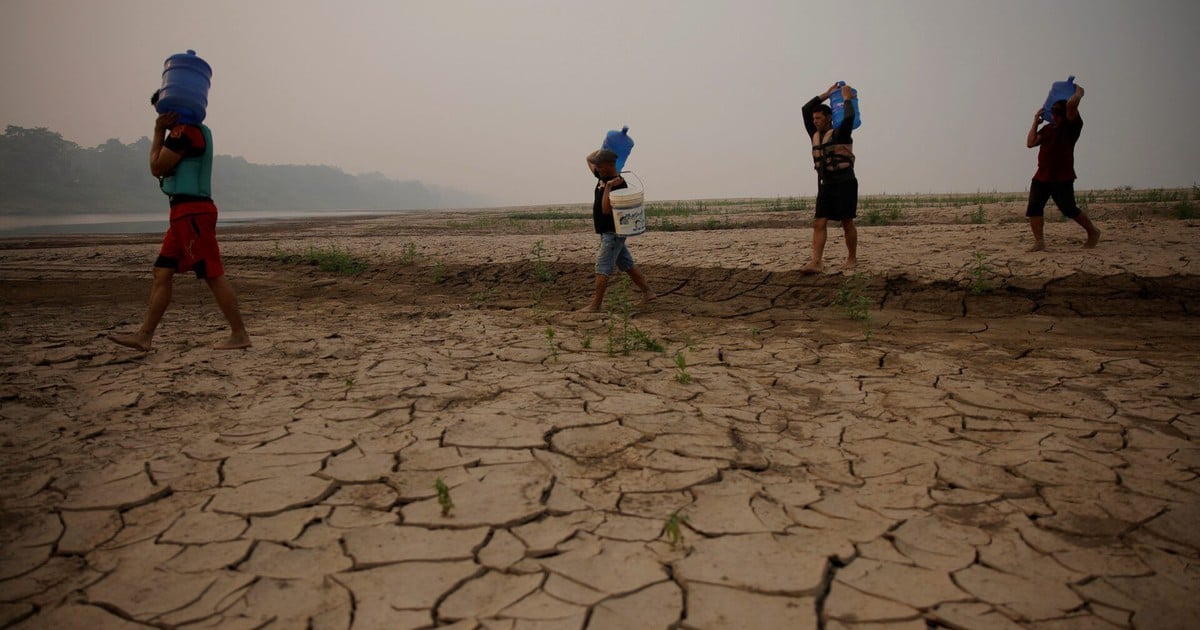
x=1062 y=192
x=837 y=200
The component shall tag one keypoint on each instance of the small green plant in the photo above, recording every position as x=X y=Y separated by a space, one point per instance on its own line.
x=671 y=528
x=540 y=270
x=626 y=337
x=681 y=373
x=851 y=297
x=409 y=256
x=978 y=216
x=587 y=342
x=443 y=496
x=980 y=271
x=1185 y=210
x=537 y=296
x=754 y=332
x=349 y=383
x=550 y=342
x=479 y=297
x=439 y=272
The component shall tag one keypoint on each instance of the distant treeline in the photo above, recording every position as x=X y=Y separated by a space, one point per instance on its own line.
x=41 y=172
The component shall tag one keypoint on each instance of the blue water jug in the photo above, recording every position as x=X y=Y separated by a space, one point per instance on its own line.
x=185 y=83
x=839 y=106
x=620 y=143
x=1059 y=91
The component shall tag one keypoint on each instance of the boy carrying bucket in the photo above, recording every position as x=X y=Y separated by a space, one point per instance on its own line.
x=613 y=254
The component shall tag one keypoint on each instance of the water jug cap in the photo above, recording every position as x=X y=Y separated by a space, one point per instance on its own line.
x=191 y=52
x=625 y=130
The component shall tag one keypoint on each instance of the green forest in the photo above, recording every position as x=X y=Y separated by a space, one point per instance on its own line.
x=41 y=173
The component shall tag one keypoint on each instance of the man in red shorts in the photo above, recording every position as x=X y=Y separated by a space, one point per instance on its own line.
x=181 y=157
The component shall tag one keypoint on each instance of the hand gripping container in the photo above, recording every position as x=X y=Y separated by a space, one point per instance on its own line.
x=839 y=106
x=186 y=79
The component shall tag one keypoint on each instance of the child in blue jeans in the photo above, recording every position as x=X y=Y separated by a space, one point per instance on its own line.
x=613 y=255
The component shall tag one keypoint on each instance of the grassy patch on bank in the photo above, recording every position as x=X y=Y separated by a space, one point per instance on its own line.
x=332 y=258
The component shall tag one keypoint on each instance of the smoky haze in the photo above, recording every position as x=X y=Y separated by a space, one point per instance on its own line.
x=505 y=98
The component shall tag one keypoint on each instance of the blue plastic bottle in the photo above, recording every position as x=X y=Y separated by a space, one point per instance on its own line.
x=1059 y=91
x=839 y=106
x=186 y=79
x=620 y=143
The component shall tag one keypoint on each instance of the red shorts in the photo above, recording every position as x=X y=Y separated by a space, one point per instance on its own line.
x=191 y=241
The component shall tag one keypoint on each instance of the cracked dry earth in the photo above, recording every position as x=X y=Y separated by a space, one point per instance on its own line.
x=1022 y=458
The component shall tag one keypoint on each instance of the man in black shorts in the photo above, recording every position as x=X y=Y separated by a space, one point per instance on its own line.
x=1055 y=175
x=837 y=187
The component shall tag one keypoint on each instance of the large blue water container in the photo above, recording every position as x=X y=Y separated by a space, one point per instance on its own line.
x=620 y=143
x=186 y=79
x=1059 y=91
x=839 y=106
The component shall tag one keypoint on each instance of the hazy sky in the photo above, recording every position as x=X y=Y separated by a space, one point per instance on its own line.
x=506 y=97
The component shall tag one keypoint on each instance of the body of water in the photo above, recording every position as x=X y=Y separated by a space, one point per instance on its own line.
x=141 y=223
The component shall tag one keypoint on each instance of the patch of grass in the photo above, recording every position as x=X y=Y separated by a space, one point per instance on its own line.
x=439 y=272
x=331 y=258
x=882 y=216
x=480 y=297
x=553 y=214
x=978 y=216
x=1185 y=210
x=587 y=342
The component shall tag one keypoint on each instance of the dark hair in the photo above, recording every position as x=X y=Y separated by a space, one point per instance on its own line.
x=824 y=109
x=154 y=98
x=1060 y=104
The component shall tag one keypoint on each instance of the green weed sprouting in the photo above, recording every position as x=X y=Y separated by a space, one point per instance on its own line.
x=850 y=297
x=439 y=272
x=443 y=496
x=1184 y=210
x=978 y=216
x=540 y=270
x=409 y=256
x=671 y=528
x=681 y=375
x=979 y=273
x=587 y=342
x=551 y=343
x=622 y=335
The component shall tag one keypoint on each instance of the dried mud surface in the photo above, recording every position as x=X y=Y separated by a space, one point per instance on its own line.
x=1024 y=454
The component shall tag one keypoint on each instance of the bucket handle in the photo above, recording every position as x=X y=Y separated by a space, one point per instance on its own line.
x=635 y=176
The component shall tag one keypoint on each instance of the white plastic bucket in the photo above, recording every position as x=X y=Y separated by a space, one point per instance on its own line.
x=628 y=207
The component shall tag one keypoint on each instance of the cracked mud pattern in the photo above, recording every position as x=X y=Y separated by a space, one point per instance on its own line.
x=1026 y=457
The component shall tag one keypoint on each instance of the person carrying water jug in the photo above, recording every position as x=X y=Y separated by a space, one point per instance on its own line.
x=613 y=255
x=1055 y=176
x=837 y=187
x=181 y=157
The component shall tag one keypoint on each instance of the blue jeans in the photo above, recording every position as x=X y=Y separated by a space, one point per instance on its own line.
x=613 y=255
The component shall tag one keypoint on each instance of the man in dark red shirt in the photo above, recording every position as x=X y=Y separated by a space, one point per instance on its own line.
x=1055 y=177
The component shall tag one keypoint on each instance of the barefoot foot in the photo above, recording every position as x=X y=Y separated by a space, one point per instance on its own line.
x=137 y=341
x=811 y=269
x=648 y=297
x=849 y=265
x=234 y=342
x=1038 y=246
x=590 y=308
x=1093 y=239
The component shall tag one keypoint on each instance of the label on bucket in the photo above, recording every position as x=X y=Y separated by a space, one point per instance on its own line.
x=630 y=221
